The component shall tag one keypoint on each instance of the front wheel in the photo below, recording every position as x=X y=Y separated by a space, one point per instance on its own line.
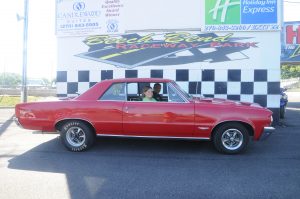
x=77 y=136
x=231 y=138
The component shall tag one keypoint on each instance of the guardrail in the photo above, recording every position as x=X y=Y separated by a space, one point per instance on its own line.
x=44 y=92
x=290 y=83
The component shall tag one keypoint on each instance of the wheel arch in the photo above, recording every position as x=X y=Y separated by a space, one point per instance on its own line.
x=59 y=124
x=248 y=126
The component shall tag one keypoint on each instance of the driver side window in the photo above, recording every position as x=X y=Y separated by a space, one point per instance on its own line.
x=165 y=92
x=173 y=95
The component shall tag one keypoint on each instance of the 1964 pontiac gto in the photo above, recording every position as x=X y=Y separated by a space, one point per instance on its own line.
x=116 y=108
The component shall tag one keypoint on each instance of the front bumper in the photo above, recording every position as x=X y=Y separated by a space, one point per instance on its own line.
x=267 y=132
x=269 y=129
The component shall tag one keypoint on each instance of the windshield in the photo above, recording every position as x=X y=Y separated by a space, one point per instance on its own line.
x=183 y=92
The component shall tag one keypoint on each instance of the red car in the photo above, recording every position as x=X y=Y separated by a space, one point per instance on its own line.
x=117 y=108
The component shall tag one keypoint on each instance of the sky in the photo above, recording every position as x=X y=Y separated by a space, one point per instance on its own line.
x=41 y=61
x=42 y=57
x=291 y=10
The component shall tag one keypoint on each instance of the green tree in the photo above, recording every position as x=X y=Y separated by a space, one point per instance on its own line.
x=290 y=71
x=10 y=79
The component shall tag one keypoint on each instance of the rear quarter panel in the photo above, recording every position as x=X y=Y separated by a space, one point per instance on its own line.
x=103 y=116
x=44 y=115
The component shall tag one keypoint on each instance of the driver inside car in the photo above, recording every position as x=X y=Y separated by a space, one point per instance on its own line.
x=156 y=91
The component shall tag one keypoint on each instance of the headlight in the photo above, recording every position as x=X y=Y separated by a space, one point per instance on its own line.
x=271 y=119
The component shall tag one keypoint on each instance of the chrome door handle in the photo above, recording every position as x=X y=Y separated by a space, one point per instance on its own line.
x=126 y=109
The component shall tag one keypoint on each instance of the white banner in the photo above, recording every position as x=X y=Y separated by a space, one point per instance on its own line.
x=164 y=15
x=88 y=17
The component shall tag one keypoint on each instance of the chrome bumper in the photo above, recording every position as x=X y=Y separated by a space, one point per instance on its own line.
x=269 y=129
x=16 y=120
x=267 y=132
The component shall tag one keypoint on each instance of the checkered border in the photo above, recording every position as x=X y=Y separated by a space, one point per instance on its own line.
x=260 y=86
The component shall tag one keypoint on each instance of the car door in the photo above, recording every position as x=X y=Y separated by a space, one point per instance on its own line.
x=109 y=110
x=174 y=118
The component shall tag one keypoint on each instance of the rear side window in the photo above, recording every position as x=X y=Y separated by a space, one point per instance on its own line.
x=116 y=92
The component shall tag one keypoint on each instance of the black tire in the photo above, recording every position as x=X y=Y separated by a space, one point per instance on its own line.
x=231 y=138
x=282 y=112
x=77 y=136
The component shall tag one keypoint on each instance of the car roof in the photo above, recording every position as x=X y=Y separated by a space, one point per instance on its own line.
x=95 y=91
x=159 y=80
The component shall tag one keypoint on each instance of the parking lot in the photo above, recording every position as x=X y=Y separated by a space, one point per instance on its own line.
x=35 y=165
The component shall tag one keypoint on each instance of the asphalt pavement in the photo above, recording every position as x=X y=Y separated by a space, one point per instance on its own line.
x=35 y=165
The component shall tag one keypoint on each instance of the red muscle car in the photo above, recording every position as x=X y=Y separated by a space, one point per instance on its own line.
x=117 y=108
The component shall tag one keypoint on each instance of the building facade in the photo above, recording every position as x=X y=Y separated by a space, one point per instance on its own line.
x=216 y=48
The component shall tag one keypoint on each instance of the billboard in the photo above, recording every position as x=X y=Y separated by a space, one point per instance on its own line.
x=170 y=50
x=242 y=15
x=94 y=17
x=88 y=17
x=173 y=48
x=290 y=42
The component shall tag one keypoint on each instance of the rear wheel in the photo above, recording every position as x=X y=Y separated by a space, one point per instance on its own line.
x=77 y=136
x=231 y=138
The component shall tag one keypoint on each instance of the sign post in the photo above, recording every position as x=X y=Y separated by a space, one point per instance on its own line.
x=24 y=68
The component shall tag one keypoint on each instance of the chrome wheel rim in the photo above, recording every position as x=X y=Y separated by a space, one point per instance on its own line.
x=232 y=139
x=75 y=136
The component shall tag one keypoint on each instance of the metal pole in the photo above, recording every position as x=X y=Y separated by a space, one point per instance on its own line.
x=24 y=68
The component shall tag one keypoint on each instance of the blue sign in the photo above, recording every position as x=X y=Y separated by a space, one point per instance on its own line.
x=112 y=25
x=258 y=11
x=79 y=6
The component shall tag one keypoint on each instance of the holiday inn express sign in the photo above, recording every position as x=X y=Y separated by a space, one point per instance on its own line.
x=241 y=15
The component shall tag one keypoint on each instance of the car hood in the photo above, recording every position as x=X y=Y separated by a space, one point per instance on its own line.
x=225 y=102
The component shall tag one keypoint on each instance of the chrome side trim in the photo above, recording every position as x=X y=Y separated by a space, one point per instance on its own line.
x=111 y=100
x=154 y=137
x=157 y=102
x=203 y=128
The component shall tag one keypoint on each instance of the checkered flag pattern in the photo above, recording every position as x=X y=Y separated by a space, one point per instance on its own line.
x=259 y=85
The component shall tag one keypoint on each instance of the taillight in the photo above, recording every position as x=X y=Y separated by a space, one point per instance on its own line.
x=27 y=114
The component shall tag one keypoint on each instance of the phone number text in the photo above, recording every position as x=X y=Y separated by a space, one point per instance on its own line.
x=78 y=25
x=250 y=27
